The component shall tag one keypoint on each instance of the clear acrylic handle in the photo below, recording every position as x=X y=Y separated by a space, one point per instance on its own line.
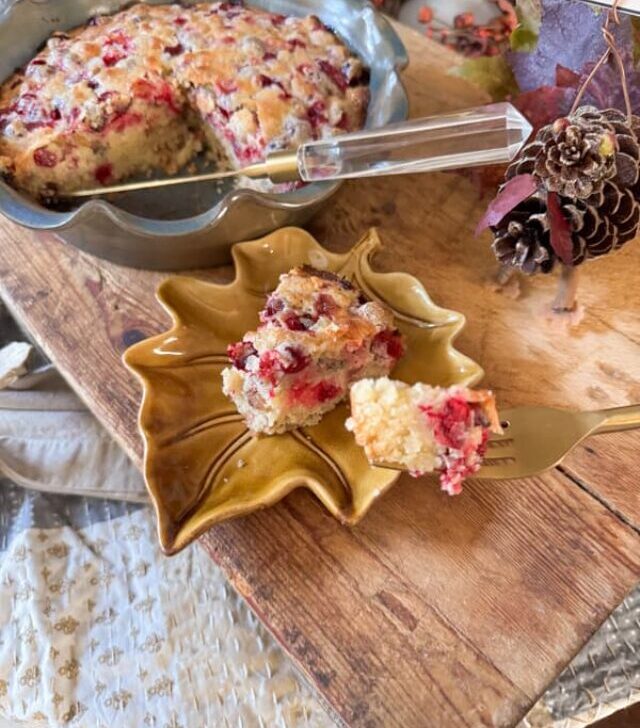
x=485 y=135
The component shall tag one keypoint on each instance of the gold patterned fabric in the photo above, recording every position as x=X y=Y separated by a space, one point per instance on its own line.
x=99 y=630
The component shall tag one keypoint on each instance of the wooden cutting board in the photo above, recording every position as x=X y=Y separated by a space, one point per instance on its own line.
x=435 y=611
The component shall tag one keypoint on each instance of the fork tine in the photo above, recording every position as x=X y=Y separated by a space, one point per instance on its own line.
x=498 y=469
x=498 y=442
x=507 y=434
x=500 y=450
x=498 y=460
x=534 y=440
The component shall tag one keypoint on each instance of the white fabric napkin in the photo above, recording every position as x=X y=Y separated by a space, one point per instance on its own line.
x=50 y=442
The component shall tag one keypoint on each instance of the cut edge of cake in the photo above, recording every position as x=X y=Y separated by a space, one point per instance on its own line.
x=423 y=429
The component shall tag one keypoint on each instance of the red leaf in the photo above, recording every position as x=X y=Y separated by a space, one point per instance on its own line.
x=516 y=190
x=566 y=78
x=561 y=238
x=544 y=105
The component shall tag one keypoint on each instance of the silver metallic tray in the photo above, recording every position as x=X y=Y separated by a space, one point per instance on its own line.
x=195 y=225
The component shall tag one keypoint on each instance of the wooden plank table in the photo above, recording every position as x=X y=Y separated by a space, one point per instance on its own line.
x=434 y=611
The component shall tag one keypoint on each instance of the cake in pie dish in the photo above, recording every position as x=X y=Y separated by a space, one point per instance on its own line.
x=145 y=90
x=423 y=429
x=317 y=335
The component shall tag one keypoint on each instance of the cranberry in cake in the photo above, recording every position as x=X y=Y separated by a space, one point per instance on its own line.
x=422 y=428
x=148 y=88
x=317 y=335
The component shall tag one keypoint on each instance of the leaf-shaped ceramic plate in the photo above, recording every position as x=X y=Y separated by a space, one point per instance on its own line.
x=202 y=466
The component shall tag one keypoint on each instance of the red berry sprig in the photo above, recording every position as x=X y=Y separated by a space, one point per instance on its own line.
x=469 y=37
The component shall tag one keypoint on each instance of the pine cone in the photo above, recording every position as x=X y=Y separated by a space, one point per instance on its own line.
x=577 y=154
x=523 y=241
x=600 y=223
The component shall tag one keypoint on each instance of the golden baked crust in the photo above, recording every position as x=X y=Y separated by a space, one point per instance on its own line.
x=145 y=89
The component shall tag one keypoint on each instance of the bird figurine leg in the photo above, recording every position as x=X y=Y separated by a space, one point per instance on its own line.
x=505 y=274
x=567 y=294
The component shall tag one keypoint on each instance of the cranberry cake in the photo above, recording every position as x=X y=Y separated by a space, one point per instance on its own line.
x=423 y=429
x=317 y=335
x=146 y=89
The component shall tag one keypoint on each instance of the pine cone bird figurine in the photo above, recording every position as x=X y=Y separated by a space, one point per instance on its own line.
x=589 y=163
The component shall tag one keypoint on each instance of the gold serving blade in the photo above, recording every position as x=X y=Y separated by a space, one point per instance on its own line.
x=278 y=167
x=150 y=184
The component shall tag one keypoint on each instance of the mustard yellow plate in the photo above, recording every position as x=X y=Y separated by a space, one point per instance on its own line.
x=202 y=466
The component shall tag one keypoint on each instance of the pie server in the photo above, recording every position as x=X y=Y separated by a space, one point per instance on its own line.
x=484 y=135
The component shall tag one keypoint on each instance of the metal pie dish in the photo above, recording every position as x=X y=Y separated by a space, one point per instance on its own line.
x=194 y=225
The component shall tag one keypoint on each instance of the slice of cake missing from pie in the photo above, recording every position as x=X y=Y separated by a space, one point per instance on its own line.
x=318 y=334
x=423 y=429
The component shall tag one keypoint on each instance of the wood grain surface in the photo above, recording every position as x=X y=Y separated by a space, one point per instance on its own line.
x=434 y=611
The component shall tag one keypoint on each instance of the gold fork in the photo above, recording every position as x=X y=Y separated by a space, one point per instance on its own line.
x=538 y=438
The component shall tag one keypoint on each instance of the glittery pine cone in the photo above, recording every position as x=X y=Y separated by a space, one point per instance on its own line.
x=599 y=223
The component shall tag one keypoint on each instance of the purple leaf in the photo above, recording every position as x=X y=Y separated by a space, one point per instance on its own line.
x=561 y=239
x=545 y=104
x=516 y=190
x=570 y=35
x=550 y=75
x=605 y=91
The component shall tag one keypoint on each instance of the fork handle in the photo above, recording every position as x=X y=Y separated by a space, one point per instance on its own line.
x=619 y=419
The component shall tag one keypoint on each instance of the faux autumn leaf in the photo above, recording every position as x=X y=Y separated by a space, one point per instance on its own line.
x=491 y=73
x=525 y=36
x=558 y=61
x=570 y=34
x=523 y=40
x=635 y=30
x=515 y=191
x=566 y=78
x=544 y=105
x=561 y=238
x=605 y=90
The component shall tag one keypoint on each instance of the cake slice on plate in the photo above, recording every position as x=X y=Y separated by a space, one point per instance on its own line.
x=422 y=428
x=318 y=334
